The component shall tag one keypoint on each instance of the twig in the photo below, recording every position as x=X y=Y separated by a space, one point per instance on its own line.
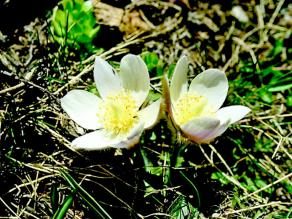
x=31 y=182
x=60 y=138
x=234 y=181
x=221 y=158
x=277 y=148
x=7 y=206
x=256 y=207
x=267 y=186
x=15 y=87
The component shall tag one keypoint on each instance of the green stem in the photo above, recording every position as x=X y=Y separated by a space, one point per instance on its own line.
x=193 y=186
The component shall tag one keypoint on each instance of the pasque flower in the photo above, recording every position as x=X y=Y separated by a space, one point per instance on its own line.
x=117 y=115
x=195 y=108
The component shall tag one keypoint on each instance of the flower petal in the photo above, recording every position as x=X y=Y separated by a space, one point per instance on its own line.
x=132 y=138
x=105 y=78
x=234 y=113
x=197 y=129
x=227 y=116
x=102 y=139
x=135 y=77
x=213 y=85
x=179 y=80
x=82 y=107
x=149 y=115
x=217 y=131
x=96 y=140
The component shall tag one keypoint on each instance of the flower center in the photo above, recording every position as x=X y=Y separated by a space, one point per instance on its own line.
x=118 y=112
x=189 y=106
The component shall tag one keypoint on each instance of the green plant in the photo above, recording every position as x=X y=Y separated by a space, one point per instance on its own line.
x=154 y=64
x=73 y=24
x=85 y=196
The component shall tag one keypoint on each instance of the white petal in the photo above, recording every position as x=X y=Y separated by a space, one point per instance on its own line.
x=96 y=140
x=217 y=131
x=105 y=78
x=234 y=113
x=149 y=115
x=102 y=139
x=82 y=107
x=197 y=129
x=135 y=77
x=179 y=81
x=132 y=138
x=227 y=116
x=213 y=85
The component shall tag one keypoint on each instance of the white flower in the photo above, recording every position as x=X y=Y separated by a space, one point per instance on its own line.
x=195 y=108
x=116 y=116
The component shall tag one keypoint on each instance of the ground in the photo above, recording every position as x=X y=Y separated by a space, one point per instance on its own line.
x=245 y=173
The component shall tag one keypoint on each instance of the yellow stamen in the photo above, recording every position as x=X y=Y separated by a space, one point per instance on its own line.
x=189 y=106
x=118 y=112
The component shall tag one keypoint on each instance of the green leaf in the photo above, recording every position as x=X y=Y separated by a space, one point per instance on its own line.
x=266 y=96
x=278 y=48
x=289 y=188
x=182 y=209
x=151 y=59
x=179 y=161
x=153 y=95
x=149 y=189
x=171 y=70
x=250 y=184
x=73 y=24
x=92 y=203
x=271 y=71
x=149 y=165
x=280 y=88
x=289 y=101
x=220 y=177
x=61 y=213
x=196 y=192
x=153 y=136
x=54 y=198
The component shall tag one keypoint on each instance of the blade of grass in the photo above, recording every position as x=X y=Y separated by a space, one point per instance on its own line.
x=54 y=198
x=193 y=186
x=61 y=212
x=93 y=204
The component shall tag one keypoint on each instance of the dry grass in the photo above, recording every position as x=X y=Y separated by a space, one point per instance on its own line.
x=253 y=159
